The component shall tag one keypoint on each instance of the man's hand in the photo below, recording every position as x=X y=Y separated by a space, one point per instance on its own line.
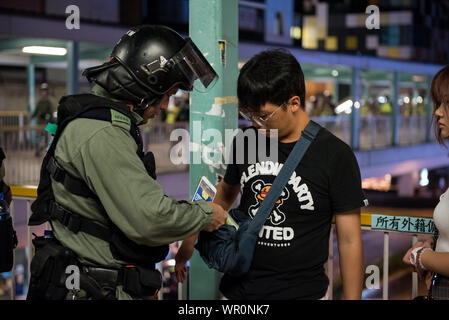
x=218 y=218
x=351 y=253
x=184 y=254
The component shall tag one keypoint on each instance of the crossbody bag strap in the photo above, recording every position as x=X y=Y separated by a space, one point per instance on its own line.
x=308 y=135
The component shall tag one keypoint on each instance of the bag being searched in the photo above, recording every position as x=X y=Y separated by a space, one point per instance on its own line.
x=228 y=249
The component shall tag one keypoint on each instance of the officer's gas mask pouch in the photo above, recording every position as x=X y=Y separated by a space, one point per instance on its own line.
x=8 y=242
x=138 y=281
x=122 y=248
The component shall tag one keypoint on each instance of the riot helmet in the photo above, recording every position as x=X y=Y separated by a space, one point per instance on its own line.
x=147 y=62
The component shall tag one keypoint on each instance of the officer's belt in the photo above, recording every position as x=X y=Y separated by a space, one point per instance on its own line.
x=75 y=222
x=105 y=277
x=137 y=282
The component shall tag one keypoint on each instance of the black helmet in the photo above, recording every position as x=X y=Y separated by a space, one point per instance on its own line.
x=148 y=61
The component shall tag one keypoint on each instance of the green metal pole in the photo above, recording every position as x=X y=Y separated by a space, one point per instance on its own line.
x=213 y=26
x=31 y=85
x=336 y=99
x=355 y=110
x=72 y=67
x=396 y=113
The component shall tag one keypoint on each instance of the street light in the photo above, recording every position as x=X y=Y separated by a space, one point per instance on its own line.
x=54 y=51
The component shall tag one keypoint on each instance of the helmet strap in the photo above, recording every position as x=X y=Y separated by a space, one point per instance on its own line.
x=147 y=102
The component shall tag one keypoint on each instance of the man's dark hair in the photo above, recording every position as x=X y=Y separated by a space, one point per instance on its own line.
x=272 y=76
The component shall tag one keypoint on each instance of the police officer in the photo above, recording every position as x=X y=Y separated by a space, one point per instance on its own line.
x=43 y=114
x=97 y=188
x=44 y=108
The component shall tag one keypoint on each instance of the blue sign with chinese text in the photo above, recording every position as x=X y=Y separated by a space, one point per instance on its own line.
x=402 y=224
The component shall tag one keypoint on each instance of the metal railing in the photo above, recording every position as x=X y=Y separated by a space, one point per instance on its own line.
x=339 y=125
x=27 y=194
x=14 y=119
x=377 y=131
x=386 y=224
x=25 y=146
x=412 y=129
x=368 y=222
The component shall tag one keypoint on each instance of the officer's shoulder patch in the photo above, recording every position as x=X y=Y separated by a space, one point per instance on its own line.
x=120 y=119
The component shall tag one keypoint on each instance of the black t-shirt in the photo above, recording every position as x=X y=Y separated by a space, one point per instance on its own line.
x=293 y=245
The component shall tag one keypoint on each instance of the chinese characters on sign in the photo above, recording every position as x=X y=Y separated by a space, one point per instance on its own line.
x=403 y=224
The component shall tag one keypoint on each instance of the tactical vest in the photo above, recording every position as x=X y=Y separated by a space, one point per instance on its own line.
x=45 y=208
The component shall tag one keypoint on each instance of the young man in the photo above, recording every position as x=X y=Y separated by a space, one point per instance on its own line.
x=293 y=245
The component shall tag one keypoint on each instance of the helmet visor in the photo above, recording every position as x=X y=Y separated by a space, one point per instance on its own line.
x=197 y=64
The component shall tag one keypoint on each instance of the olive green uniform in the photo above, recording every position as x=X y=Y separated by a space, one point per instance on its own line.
x=44 y=111
x=103 y=154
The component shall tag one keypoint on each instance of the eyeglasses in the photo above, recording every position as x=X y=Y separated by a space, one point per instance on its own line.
x=261 y=121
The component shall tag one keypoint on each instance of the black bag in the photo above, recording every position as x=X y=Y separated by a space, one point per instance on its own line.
x=8 y=242
x=231 y=251
x=8 y=237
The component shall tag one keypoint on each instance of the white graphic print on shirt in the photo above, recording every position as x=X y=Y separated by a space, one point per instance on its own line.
x=260 y=190
x=277 y=235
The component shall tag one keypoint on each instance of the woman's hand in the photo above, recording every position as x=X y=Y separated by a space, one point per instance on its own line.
x=422 y=274
x=406 y=258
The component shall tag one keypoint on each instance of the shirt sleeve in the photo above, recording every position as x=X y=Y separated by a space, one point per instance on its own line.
x=133 y=200
x=232 y=174
x=344 y=179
